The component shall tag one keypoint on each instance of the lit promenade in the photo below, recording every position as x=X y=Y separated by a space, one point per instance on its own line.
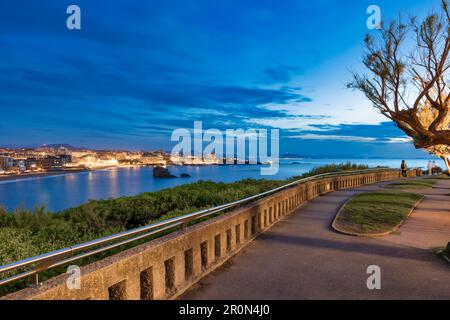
x=302 y=258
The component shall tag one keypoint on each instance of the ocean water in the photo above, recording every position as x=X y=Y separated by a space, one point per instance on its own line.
x=70 y=190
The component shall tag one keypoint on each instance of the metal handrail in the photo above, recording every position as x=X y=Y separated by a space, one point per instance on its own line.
x=58 y=257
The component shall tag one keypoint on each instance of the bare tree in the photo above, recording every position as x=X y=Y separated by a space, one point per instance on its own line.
x=410 y=88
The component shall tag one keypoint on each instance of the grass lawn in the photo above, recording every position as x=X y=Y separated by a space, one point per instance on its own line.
x=439 y=177
x=412 y=184
x=375 y=212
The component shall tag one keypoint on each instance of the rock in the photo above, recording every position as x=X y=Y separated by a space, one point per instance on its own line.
x=161 y=172
x=185 y=175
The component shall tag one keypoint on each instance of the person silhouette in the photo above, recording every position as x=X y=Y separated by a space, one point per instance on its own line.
x=404 y=168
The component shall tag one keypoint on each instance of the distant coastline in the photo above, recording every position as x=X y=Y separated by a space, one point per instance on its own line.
x=29 y=175
x=13 y=177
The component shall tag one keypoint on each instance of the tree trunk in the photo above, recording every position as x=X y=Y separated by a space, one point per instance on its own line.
x=446 y=159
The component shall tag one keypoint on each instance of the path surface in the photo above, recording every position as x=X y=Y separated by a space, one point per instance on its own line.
x=302 y=258
x=429 y=225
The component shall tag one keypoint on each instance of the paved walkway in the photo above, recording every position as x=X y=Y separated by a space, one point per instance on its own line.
x=429 y=225
x=302 y=258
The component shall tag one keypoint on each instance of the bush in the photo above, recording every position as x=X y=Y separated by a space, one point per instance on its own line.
x=437 y=170
x=348 y=166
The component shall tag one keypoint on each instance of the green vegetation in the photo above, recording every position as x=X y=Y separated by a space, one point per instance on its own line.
x=443 y=253
x=335 y=168
x=375 y=212
x=412 y=184
x=442 y=176
x=25 y=233
x=39 y=231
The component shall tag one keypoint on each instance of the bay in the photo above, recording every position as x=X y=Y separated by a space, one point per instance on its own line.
x=69 y=190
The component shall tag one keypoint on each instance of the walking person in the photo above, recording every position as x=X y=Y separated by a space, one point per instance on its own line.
x=404 y=167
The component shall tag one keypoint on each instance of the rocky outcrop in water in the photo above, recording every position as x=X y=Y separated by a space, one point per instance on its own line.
x=161 y=172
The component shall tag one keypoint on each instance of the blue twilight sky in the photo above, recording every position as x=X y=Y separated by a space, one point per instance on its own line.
x=139 y=69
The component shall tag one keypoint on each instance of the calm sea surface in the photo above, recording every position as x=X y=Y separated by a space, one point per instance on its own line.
x=65 y=191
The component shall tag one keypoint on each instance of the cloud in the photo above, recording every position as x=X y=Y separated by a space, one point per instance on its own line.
x=137 y=70
x=290 y=123
x=280 y=74
x=398 y=140
x=384 y=133
x=333 y=137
